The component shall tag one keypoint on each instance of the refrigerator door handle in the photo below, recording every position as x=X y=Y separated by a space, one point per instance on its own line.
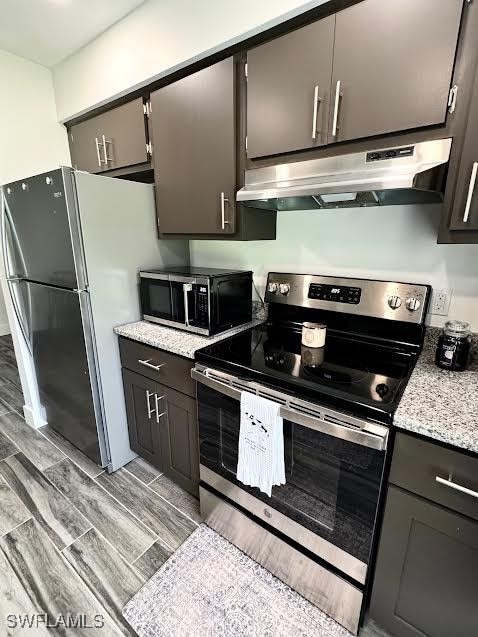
x=25 y=329
x=6 y=248
x=13 y=279
x=26 y=332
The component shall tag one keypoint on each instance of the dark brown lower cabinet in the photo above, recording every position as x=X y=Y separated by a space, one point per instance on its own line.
x=179 y=439
x=426 y=579
x=139 y=393
x=162 y=428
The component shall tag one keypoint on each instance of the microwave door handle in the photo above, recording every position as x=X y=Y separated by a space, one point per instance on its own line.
x=187 y=287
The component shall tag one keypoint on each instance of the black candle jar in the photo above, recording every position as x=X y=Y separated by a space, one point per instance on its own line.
x=453 y=349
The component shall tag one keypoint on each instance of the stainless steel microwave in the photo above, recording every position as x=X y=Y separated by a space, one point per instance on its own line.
x=201 y=300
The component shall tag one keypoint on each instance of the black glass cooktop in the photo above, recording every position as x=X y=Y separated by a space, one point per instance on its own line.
x=349 y=373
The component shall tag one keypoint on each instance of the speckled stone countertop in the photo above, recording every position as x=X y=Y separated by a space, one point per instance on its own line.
x=179 y=341
x=440 y=404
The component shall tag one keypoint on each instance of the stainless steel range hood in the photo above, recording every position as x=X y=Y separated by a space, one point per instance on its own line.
x=388 y=176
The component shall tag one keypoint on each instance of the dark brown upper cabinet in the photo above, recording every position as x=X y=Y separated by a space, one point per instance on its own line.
x=193 y=126
x=288 y=90
x=393 y=64
x=372 y=69
x=84 y=146
x=115 y=139
x=464 y=216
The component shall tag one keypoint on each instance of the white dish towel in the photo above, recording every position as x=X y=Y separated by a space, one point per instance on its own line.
x=261 y=444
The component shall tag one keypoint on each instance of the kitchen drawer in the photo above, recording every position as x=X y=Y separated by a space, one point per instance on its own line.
x=417 y=464
x=174 y=371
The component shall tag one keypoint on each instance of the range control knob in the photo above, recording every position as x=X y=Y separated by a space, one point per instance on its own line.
x=284 y=288
x=413 y=303
x=394 y=302
x=272 y=287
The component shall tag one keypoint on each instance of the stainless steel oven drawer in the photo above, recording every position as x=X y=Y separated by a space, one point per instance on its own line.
x=332 y=594
x=436 y=473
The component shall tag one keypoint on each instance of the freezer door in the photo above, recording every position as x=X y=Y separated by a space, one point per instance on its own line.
x=41 y=220
x=67 y=381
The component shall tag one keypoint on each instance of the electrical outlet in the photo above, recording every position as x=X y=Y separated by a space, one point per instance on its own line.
x=440 y=302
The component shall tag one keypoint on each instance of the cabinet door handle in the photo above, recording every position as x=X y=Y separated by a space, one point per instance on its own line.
x=148 y=404
x=147 y=363
x=317 y=101
x=223 y=211
x=457 y=487
x=105 y=154
x=98 y=151
x=471 y=189
x=336 y=108
x=156 y=402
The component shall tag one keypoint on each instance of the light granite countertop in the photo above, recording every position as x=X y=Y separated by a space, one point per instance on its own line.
x=439 y=404
x=173 y=340
x=181 y=342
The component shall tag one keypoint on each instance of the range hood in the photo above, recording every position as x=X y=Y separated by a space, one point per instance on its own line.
x=390 y=176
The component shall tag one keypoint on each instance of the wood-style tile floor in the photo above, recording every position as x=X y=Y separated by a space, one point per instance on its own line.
x=74 y=540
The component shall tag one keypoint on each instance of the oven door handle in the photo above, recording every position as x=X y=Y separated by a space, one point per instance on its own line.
x=357 y=436
x=369 y=435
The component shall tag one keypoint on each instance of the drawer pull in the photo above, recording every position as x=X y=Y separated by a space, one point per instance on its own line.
x=452 y=485
x=148 y=363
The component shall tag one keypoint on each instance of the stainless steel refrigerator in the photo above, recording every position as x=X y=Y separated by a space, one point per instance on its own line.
x=73 y=244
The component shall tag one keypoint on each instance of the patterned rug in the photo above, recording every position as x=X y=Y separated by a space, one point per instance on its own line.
x=209 y=588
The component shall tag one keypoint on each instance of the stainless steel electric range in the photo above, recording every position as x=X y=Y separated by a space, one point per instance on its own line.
x=317 y=531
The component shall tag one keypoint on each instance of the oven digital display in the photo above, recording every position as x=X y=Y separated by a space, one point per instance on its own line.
x=334 y=293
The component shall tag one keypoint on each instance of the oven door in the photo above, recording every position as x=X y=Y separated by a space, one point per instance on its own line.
x=334 y=468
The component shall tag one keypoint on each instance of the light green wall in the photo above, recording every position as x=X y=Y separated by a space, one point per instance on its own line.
x=394 y=243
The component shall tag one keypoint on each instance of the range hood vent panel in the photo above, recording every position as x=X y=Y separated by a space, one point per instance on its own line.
x=404 y=175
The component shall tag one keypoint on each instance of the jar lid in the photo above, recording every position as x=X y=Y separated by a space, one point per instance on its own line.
x=457 y=328
x=314 y=326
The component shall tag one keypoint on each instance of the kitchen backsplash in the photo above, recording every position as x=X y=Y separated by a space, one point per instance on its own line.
x=395 y=243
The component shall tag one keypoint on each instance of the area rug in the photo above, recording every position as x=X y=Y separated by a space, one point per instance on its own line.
x=209 y=588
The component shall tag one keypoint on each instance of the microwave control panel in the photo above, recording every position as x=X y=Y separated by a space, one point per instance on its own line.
x=202 y=302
